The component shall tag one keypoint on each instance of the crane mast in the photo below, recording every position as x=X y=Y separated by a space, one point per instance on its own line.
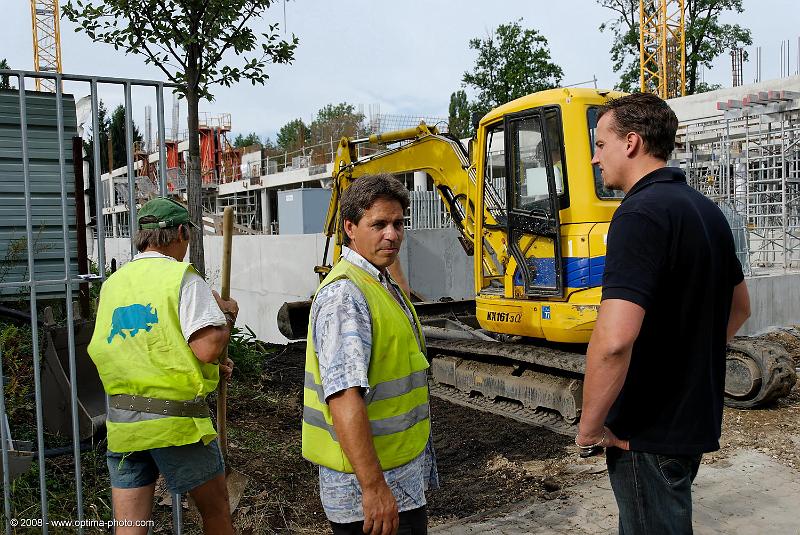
x=46 y=41
x=662 y=47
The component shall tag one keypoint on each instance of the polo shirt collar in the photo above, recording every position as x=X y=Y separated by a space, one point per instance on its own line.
x=663 y=174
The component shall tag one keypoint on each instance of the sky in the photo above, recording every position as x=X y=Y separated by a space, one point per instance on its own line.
x=403 y=57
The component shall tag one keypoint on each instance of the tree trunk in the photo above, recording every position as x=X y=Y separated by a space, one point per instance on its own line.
x=194 y=183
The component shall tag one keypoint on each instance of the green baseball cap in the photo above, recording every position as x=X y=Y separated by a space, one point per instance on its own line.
x=163 y=213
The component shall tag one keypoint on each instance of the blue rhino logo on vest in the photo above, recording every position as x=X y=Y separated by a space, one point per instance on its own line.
x=132 y=318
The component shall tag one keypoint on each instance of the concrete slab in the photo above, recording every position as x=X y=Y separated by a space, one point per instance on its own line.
x=747 y=493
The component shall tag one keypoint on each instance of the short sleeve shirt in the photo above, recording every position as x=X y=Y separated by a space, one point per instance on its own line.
x=342 y=334
x=670 y=250
x=198 y=308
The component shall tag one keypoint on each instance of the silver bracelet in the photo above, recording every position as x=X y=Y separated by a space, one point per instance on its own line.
x=598 y=445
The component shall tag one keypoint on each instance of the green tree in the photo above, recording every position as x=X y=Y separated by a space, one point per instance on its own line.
x=5 y=83
x=192 y=43
x=116 y=130
x=459 y=122
x=88 y=145
x=245 y=141
x=293 y=135
x=512 y=62
x=706 y=39
x=335 y=121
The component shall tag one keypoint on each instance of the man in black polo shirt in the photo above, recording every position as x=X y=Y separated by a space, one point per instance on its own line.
x=673 y=295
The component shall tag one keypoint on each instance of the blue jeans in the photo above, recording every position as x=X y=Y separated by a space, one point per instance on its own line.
x=183 y=467
x=653 y=492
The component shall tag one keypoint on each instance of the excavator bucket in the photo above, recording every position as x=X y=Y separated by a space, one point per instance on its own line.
x=56 y=383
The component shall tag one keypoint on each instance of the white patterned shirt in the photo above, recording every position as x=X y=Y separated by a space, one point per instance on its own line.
x=342 y=334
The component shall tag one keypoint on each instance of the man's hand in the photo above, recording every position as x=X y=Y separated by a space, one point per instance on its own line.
x=230 y=305
x=604 y=438
x=380 y=510
x=226 y=369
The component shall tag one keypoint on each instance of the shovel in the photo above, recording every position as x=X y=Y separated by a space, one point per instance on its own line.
x=236 y=481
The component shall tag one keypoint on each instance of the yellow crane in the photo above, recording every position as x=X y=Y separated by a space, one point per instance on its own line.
x=46 y=41
x=662 y=47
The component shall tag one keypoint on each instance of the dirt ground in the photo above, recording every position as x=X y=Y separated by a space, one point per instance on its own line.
x=478 y=468
x=485 y=462
x=773 y=430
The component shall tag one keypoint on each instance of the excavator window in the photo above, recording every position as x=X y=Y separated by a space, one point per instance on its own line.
x=495 y=179
x=602 y=192
x=531 y=191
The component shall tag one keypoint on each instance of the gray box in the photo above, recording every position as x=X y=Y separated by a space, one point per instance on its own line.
x=302 y=211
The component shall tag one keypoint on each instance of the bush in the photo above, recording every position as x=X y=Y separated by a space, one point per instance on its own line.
x=247 y=352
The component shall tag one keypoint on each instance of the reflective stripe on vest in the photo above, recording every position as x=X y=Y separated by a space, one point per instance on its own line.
x=381 y=391
x=387 y=426
x=397 y=402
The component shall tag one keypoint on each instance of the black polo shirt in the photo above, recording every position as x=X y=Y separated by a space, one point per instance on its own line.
x=671 y=251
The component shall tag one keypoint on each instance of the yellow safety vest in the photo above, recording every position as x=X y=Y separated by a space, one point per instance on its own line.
x=139 y=349
x=397 y=402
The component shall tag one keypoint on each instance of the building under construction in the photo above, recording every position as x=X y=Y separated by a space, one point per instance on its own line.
x=251 y=178
x=740 y=146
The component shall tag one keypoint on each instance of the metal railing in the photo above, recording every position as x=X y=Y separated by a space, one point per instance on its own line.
x=427 y=211
x=69 y=280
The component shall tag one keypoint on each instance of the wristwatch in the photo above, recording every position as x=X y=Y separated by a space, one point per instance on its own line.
x=230 y=317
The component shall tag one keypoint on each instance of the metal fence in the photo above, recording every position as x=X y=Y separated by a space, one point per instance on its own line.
x=71 y=281
x=428 y=211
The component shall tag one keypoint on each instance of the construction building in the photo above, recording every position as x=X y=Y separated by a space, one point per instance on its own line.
x=740 y=146
x=251 y=178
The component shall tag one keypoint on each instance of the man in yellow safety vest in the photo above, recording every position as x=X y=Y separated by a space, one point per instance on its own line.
x=366 y=416
x=158 y=334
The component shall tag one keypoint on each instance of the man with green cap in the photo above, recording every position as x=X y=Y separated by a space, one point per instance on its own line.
x=159 y=332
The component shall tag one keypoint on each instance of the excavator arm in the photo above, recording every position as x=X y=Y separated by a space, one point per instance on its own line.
x=421 y=148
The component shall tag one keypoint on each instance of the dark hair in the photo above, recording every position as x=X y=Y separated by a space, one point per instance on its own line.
x=646 y=115
x=363 y=193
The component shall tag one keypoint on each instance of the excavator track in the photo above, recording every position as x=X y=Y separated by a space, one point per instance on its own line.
x=542 y=386
x=518 y=381
x=509 y=409
x=757 y=373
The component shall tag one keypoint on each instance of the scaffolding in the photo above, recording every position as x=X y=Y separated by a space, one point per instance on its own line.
x=748 y=162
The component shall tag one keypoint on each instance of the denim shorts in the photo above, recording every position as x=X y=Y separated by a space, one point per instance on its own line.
x=183 y=467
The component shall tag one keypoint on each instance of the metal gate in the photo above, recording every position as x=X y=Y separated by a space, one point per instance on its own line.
x=26 y=135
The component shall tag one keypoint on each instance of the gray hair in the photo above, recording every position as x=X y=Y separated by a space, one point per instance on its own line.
x=363 y=193
x=156 y=238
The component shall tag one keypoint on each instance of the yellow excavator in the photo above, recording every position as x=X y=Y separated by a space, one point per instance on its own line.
x=533 y=214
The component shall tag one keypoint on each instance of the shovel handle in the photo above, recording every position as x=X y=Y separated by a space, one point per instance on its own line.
x=222 y=387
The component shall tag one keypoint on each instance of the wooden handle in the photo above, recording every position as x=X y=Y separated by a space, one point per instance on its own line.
x=227 y=245
x=222 y=387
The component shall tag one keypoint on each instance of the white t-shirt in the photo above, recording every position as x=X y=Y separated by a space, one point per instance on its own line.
x=198 y=308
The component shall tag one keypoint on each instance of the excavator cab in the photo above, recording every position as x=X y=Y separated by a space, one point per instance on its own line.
x=543 y=221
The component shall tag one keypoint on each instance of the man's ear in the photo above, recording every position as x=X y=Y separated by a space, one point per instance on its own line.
x=348 y=228
x=183 y=230
x=635 y=143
